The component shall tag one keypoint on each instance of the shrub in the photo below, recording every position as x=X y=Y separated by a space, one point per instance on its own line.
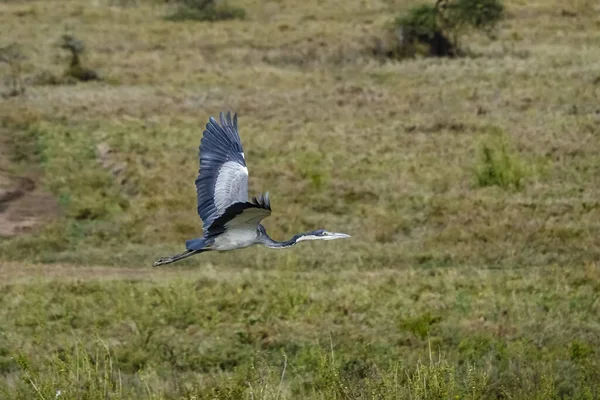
x=437 y=27
x=76 y=69
x=478 y=14
x=422 y=26
x=420 y=20
x=205 y=10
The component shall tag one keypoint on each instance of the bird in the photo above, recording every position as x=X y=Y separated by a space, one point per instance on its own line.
x=229 y=219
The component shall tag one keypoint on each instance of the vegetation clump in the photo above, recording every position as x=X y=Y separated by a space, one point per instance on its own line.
x=12 y=56
x=76 y=69
x=205 y=10
x=434 y=30
x=499 y=167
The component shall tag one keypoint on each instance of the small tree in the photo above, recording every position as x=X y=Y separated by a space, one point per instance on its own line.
x=478 y=14
x=76 y=70
x=422 y=26
x=437 y=27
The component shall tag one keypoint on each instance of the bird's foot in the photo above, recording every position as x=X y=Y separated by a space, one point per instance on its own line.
x=176 y=257
x=163 y=261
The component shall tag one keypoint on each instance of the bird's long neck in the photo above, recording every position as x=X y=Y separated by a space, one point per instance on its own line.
x=274 y=244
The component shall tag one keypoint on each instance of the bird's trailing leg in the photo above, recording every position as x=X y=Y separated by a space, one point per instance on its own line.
x=176 y=257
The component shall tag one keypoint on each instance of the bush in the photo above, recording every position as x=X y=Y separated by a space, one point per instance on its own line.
x=420 y=20
x=205 y=10
x=76 y=70
x=437 y=27
x=478 y=14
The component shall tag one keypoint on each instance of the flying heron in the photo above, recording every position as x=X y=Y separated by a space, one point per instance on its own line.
x=229 y=220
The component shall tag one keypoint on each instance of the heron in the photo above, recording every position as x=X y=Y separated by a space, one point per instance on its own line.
x=229 y=220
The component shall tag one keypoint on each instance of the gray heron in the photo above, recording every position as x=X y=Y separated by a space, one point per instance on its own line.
x=229 y=220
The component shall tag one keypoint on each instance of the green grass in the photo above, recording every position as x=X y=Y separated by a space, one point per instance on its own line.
x=498 y=167
x=453 y=283
x=467 y=332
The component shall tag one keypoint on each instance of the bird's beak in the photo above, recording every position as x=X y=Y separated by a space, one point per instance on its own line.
x=336 y=235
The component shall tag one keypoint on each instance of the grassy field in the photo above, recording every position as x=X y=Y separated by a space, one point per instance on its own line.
x=470 y=186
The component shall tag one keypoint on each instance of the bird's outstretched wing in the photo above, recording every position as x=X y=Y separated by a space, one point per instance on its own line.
x=241 y=216
x=223 y=176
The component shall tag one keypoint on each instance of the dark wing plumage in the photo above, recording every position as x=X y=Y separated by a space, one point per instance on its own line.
x=223 y=176
x=262 y=201
x=244 y=216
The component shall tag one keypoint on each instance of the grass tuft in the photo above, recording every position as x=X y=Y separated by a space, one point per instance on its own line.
x=499 y=166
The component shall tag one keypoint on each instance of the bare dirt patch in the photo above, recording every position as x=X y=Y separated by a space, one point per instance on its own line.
x=11 y=273
x=24 y=206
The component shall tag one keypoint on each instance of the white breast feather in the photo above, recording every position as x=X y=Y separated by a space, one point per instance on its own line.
x=234 y=239
x=241 y=231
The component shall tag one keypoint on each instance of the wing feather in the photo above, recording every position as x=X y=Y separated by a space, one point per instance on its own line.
x=243 y=216
x=223 y=175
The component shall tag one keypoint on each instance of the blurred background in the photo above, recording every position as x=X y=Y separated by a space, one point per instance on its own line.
x=457 y=141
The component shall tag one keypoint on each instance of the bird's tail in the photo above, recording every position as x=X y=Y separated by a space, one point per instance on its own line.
x=176 y=257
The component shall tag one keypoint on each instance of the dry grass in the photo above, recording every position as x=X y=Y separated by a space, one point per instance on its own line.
x=388 y=152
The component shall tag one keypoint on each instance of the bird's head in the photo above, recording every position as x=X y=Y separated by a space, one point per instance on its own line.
x=321 y=234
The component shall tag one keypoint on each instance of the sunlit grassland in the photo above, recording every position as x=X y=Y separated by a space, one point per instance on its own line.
x=485 y=259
